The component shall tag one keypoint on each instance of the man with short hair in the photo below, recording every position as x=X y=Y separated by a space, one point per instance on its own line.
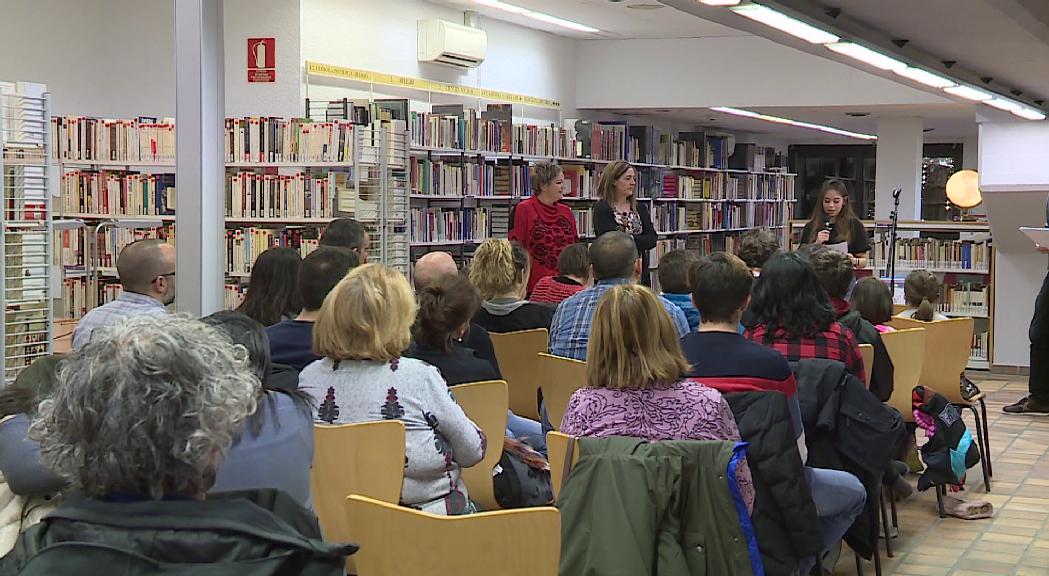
x=291 y=341
x=756 y=247
x=615 y=260
x=349 y=234
x=723 y=359
x=146 y=269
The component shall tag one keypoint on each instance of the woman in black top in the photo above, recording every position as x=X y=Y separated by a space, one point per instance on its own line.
x=445 y=308
x=834 y=222
x=619 y=209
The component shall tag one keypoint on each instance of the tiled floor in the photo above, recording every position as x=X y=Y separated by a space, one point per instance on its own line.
x=1016 y=540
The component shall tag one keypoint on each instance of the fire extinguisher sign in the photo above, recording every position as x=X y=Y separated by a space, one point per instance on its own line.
x=262 y=57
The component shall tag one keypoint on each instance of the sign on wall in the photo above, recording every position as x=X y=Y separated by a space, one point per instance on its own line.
x=262 y=57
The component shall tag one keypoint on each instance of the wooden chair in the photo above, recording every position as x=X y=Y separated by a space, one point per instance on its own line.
x=557 y=447
x=948 y=344
x=485 y=403
x=867 y=352
x=516 y=354
x=906 y=348
x=62 y=341
x=559 y=378
x=365 y=458
x=398 y=540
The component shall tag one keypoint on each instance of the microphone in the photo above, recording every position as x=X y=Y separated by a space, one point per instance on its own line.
x=827 y=225
x=896 y=193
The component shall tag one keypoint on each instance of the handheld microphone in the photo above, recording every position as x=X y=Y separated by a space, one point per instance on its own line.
x=896 y=193
x=827 y=225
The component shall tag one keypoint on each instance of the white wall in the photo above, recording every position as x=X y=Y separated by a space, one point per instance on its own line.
x=116 y=58
x=724 y=71
x=380 y=35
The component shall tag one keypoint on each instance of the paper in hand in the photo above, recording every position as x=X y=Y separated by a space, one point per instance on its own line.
x=842 y=247
x=1039 y=236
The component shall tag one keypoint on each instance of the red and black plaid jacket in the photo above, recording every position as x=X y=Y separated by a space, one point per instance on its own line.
x=834 y=343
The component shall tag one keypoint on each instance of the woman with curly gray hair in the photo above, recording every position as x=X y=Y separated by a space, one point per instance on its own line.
x=139 y=421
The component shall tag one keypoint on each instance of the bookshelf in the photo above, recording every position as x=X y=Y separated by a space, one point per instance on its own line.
x=285 y=180
x=25 y=197
x=960 y=254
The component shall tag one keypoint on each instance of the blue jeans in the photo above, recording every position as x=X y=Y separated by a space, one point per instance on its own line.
x=839 y=498
x=528 y=431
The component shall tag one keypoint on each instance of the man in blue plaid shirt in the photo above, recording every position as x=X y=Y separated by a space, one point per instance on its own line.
x=615 y=261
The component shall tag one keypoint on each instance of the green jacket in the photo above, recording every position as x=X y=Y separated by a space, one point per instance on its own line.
x=659 y=508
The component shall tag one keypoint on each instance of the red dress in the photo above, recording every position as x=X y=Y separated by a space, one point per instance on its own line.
x=544 y=231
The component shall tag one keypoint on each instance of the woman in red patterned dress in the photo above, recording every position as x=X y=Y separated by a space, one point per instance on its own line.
x=542 y=224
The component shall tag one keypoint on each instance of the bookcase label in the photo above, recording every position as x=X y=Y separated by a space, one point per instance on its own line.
x=332 y=71
x=262 y=57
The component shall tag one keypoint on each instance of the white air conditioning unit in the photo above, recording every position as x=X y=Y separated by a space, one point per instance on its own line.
x=452 y=44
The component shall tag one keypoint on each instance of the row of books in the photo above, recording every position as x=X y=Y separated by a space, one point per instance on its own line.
x=244 y=245
x=234 y=295
x=716 y=216
x=461 y=128
x=935 y=254
x=981 y=347
x=75 y=291
x=115 y=192
x=143 y=139
x=271 y=139
x=437 y=224
x=965 y=298
x=431 y=178
x=252 y=195
x=584 y=224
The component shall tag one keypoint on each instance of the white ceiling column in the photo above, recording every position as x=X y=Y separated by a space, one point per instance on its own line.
x=899 y=165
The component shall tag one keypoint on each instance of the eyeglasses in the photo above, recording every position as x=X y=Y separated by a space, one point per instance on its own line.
x=172 y=274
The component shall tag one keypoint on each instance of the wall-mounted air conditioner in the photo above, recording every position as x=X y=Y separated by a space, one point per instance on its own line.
x=452 y=44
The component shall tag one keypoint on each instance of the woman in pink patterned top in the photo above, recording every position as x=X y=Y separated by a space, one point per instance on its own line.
x=637 y=386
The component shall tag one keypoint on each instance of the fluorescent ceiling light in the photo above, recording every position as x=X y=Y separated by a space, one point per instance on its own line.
x=789 y=122
x=867 y=56
x=1029 y=113
x=781 y=21
x=927 y=78
x=1003 y=104
x=968 y=93
x=720 y=2
x=540 y=16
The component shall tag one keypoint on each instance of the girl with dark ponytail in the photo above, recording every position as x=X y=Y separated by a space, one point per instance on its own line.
x=921 y=291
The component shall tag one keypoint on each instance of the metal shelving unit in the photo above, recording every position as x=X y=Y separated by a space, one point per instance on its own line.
x=25 y=198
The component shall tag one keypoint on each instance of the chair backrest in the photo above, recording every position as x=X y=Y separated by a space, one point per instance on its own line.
x=948 y=344
x=485 y=403
x=365 y=458
x=906 y=348
x=559 y=378
x=62 y=341
x=399 y=540
x=557 y=448
x=867 y=352
x=897 y=308
x=516 y=354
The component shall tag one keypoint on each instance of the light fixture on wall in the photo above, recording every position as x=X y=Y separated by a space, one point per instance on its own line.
x=867 y=56
x=540 y=16
x=963 y=189
x=789 y=122
x=968 y=93
x=784 y=23
x=1003 y=104
x=1029 y=113
x=925 y=77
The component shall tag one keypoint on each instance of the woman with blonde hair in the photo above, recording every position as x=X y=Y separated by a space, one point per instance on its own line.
x=499 y=271
x=618 y=209
x=542 y=224
x=637 y=385
x=921 y=292
x=364 y=327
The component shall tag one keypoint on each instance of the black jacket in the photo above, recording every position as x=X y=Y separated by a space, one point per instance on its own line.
x=785 y=518
x=458 y=365
x=605 y=221
x=883 y=371
x=246 y=533
x=846 y=428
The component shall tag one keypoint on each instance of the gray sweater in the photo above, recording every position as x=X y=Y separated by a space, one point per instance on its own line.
x=439 y=437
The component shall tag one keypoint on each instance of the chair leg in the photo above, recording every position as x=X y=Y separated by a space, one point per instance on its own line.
x=872 y=509
x=986 y=437
x=859 y=563
x=984 y=454
x=892 y=507
x=939 y=501
x=885 y=523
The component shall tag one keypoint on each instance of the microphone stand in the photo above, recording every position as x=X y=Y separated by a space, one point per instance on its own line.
x=890 y=266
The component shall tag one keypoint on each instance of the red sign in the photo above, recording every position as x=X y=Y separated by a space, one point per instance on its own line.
x=262 y=58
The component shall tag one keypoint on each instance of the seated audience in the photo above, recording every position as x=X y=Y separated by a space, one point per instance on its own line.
x=573 y=275
x=275 y=449
x=835 y=273
x=500 y=272
x=722 y=359
x=291 y=341
x=795 y=317
x=273 y=291
x=434 y=265
x=445 y=308
x=348 y=234
x=636 y=381
x=921 y=293
x=363 y=329
x=615 y=261
x=873 y=300
x=673 y=281
x=163 y=398
x=756 y=247
x=147 y=275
